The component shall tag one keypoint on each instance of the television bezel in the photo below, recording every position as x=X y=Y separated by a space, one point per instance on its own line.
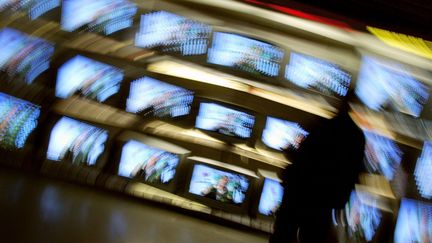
x=237 y=209
x=175 y=184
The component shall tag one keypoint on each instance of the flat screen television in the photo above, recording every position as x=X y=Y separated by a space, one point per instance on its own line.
x=414 y=223
x=153 y=97
x=316 y=74
x=90 y=78
x=423 y=171
x=382 y=155
x=151 y=161
x=383 y=85
x=101 y=16
x=363 y=219
x=76 y=142
x=220 y=185
x=283 y=135
x=169 y=32
x=34 y=8
x=223 y=120
x=272 y=191
x=246 y=54
x=18 y=119
x=23 y=57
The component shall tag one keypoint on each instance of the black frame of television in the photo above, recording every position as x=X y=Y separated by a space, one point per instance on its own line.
x=102 y=160
x=226 y=138
x=185 y=121
x=175 y=184
x=292 y=86
x=241 y=209
x=259 y=186
x=273 y=80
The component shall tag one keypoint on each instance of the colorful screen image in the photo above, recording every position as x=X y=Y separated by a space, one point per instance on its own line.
x=23 y=57
x=423 y=171
x=246 y=54
x=18 y=119
x=271 y=197
x=316 y=74
x=283 y=135
x=382 y=155
x=90 y=78
x=34 y=8
x=218 y=185
x=414 y=223
x=385 y=85
x=77 y=141
x=149 y=95
x=223 y=120
x=363 y=219
x=101 y=16
x=142 y=161
x=173 y=33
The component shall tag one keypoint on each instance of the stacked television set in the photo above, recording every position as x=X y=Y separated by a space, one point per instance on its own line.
x=89 y=78
x=23 y=57
x=100 y=16
x=150 y=160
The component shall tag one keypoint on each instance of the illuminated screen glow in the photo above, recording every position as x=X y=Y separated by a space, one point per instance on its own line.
x=18 y=118
x=363 y=220
x=414 y=223
x=316 y=74
x=82 y=142
x=385 y=85
x=271 y=197
x=423 y=171
x=172 y=33
x=382 y=155
x=246 y=54
x=223 y=120
x=281 y=134
x=34 y=8
x=151 y=164
x=92 y=79
x=23 y=57
x=103 y=16
x=222 y=186
x=162 y=99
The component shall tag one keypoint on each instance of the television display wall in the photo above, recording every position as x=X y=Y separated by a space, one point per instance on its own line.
x=18 y=118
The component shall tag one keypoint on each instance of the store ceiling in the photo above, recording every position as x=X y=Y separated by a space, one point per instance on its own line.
x=412 y=17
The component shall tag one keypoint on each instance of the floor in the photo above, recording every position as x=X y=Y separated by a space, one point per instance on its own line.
x=36 y=209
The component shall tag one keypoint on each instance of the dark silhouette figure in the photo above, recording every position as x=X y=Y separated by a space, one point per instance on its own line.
x=321 y=178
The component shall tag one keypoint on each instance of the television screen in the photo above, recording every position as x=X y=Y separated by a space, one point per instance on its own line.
x=222 y=186
x=316 y=74
x=18 y=119
x=172 y=33
x=23 y=57
x=92 y=79
x=271 y=197
x=217 y=118
x=423 y=171
x=102 y=16
x=414 y=223
x=363 y=219
x=77 y=141
x=151 y=164
x=149 y=95
x=281 y=134
x=34 y=8
x=382 y=155
x=387 y=85
x=246 y=54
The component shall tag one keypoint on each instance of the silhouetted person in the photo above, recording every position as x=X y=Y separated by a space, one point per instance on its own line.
x=321 y=178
